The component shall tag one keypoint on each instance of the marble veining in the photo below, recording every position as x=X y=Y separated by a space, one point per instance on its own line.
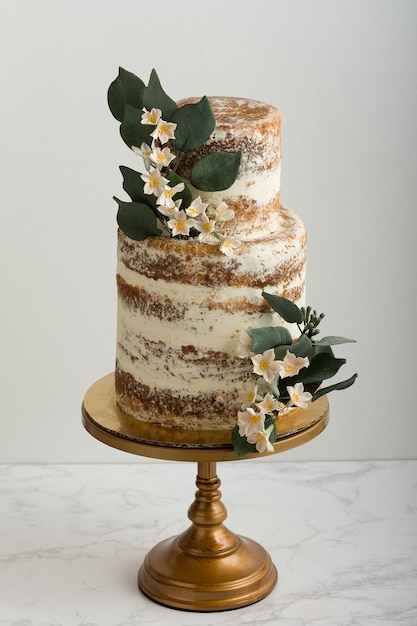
x=343 y=536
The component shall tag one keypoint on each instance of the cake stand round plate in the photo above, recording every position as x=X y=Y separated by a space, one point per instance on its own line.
x=207 y=567
x=105 y=421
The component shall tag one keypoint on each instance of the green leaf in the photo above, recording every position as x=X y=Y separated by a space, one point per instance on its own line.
x=240 y=444
x=186 y=195
x=302 y=347
x=125 y=89
x=216 y=171
x=133 y=185
x=284 y=307
x=268 y=337
x=334 y=340
x=137 y=220
x=132 y=131
x=195 y=123
x=322 y=367
x=344 y=384
x=155 y=97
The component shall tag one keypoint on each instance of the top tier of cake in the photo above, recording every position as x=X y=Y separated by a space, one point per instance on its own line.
x=254 y=128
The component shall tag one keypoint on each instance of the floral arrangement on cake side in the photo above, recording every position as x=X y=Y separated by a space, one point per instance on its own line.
x=289 y=373
x=160 y=132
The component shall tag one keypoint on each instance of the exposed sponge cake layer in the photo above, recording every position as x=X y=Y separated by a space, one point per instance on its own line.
x=181 y=308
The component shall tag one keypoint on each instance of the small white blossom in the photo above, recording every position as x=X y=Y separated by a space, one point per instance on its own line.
x=170 y=211
x=179 y=224
x=291 y=364
x=164 y=131
x=228 y=245
x=154 y=182
x=165 y=198
x=249 y=421
x=269 y=404
x=244 y=345
x=205 y=227
x=151 y=117
x=298 y=396
x=145 y=152
x=261 y=439
x=161 y=157
x=248 y=394
x=223 y=213
x=196 y=207
x=265 y=365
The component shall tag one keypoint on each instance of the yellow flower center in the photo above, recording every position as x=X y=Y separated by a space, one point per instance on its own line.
x=169 y=193
x=154 y=182
x=152 y=118
x=227 y=243
x=179 y=225
x=251 y=396
x=295 y=397
x=260 y=436
x=268 y=406
x=263 y=364
x=290 y=369
x=254 y=418
x=207 y=227
x=160 y=158
x=164 y=129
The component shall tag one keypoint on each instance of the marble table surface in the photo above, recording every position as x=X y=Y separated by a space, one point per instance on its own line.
x=343 y=536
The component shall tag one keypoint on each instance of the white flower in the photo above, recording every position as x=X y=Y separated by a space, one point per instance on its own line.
x=145 y=152
x=244 y=345
x=154 y=182
x=161 y=157
x=269 y=404
x=179 y=224
x=249 y=421
x=291 y=364
x=151 y=117
x=205 y=226
x=170 y=211
x=223 y=213
x=196 y=207
x=164 y=131
x=248 y=394
x=165 y=198
x=298 y=396
x=261 y=438
x=228 y=245
x=265 y=365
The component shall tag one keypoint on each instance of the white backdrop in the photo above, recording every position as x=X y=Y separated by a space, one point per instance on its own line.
x=343 y=75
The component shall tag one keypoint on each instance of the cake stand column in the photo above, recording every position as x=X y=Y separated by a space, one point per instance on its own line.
x=207 y=567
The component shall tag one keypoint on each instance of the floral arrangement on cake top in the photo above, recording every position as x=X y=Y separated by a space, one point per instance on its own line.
x=289 y=373
x=160 y=132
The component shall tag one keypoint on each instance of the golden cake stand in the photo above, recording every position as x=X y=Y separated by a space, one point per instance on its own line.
x=207 y=567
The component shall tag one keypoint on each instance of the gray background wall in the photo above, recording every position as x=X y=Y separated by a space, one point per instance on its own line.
x=342 y=73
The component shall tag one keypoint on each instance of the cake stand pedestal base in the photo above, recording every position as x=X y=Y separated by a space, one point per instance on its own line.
x=207 y=567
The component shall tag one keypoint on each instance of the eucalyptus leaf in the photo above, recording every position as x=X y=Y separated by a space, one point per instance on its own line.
x=240 y=444
x=137 y=220
x=155 y=97
x=216 y=171
x=195 y=123
x=284 y=307
x=132 y=131
x=322 y=367
x=125 y=89
x=302 y=347
x=333 y=340
x=268 y=337
x=133 y=185
x=344 y=384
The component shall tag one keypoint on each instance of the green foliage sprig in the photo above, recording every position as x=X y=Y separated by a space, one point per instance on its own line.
x=290 y=373
x=190 y=126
